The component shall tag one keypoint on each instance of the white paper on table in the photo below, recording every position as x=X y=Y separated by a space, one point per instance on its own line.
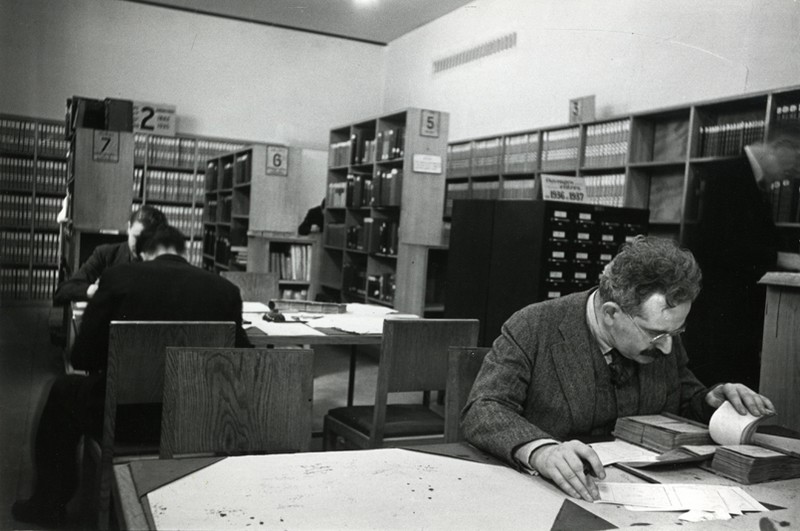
x=285 y=329
x=673 y=497
x=254 y=307
x=620 y=452
x=356 y=323
x=368 y=309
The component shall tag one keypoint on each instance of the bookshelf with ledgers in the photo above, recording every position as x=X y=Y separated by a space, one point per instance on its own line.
x=383 y=227
x=33 y=172
x=656 y=159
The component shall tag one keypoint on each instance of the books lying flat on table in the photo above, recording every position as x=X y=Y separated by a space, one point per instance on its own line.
x=730 y=438
x=661 y=432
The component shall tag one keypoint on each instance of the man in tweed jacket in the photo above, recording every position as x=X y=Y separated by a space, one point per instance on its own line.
x=569 y=367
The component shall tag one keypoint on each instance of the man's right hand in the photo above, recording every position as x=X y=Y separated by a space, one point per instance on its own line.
x=568 y=464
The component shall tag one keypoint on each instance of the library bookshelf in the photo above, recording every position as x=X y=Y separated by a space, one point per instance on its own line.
x=383 y=227
x=169 y=173
x=246 y=200
x=33 y=171
x=295 y=259
x=660 y=160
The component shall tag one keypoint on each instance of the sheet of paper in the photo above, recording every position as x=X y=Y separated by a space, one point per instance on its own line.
x=356 y=323
x=620 y=452
x=254 y=307
x=368 y=309
x=679 y=497
x=285 y=329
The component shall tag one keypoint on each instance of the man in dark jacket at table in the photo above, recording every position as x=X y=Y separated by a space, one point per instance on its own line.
x=82 y=285
x=567 y=368
x=164 y=287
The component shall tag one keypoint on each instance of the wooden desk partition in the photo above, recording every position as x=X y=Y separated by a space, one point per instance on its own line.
x=780 y=349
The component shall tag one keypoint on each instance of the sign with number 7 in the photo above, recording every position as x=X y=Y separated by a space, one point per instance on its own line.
x=106 y=146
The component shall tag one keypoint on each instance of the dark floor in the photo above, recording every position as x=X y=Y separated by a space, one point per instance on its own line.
x=29 y=362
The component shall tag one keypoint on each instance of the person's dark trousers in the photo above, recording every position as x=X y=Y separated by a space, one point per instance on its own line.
x=74 y=407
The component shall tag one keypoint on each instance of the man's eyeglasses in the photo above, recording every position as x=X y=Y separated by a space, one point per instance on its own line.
x=654 y=339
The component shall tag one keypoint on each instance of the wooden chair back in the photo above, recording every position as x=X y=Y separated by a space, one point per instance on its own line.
x=135 y=375
x=255 y=287
x=236 y=401
x=463 y=364
x=413 y=358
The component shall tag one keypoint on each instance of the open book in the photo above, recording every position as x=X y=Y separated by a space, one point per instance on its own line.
x=730 y=439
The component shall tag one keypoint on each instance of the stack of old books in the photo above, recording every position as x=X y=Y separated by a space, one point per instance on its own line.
x=661 y=432
x=747 y=464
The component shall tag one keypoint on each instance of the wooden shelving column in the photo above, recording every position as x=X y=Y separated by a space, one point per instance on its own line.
x=383 y=208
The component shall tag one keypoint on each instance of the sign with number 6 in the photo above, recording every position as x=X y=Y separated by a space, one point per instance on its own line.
x=277 y=160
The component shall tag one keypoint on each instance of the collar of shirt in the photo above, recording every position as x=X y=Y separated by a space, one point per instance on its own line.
x=594 y=328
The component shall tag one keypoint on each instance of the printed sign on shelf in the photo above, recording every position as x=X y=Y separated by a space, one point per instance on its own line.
x=277 y=160
x=429 y=123
x=105 y=147
x=427 y=163
x=563 y=188
x=155 y=118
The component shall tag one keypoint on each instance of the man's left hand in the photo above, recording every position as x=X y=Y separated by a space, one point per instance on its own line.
x=742 y=398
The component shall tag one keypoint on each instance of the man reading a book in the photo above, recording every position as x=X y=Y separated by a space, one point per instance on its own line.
x=567 y=368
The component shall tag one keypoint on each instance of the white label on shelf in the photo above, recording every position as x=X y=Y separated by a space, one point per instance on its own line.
x=553 y=294
x=585 y=216
x=106 y=146
x=558 y=254
x=583 y=235
x=556 y=274
x=581 y=256
x=608 y=237
x=156 y=118
x=629 y=239
x=580 y=275
x=427 y=163
x=563 y=188
x=605 y=257
x=429 y=123
x=559 y=234
x=560 y=213
x=277 y=160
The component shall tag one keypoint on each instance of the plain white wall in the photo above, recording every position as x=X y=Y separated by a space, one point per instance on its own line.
x=227 y=78
x=634 y=55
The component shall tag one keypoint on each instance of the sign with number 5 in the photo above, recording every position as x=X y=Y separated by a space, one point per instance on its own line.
x=277 y=160
x=429 y=123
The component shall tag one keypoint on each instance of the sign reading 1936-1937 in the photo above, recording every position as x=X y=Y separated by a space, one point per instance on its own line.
x=155 y=118
x=105 y=147
x=277 y=160
x=429 y=123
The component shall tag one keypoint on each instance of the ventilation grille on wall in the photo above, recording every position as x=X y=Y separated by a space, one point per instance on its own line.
x=506 y=42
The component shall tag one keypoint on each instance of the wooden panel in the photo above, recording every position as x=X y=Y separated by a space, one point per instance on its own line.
x=137 y=350
x=412 y=267
x=780 y=355
x=463 y=365
x=254 y=287
x=414 y=351
x=237 y=401
x=103 y=190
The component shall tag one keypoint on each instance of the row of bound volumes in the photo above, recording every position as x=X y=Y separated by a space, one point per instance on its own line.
x=782 y=196
x=163 y=185
x=19 y=174
x=354 y=280
x=379 y=236
x=384 y=190
x=788 y=112
x=52 y=140
x=339 y=154
x=560 y=149
x=608 y=190
x=729 y=139
x=238 y=256
x=292 y=264
x=389 y=144
x=20 y=210
x=186 y=219
x=382 y=287
x=194 y=252
x=164 y=151
x=607 y=144
x=458 y=159
x=521 y=153
x=18 y=136
x=15 y=283
x=17 y=247
x=209 y=149
x=486 y=156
